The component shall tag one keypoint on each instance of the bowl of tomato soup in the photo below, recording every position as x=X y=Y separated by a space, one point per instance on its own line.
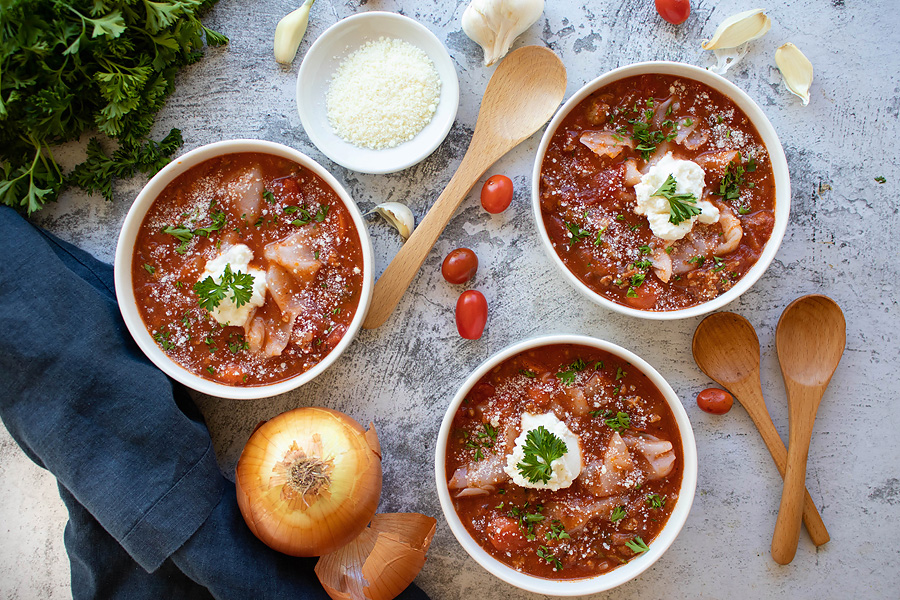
x=661 y=190
x=565 y=465
x=243 y=269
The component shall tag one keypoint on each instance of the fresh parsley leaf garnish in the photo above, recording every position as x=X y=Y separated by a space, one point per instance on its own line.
x=211 y=294
x=179 y=232
x=681 y=206
x=545 y=553
x=567 y=376
x=656 y=501
x=322 y=212
x=527 y=518
x=541 y=448
x=620 y=373
x=637 y=545
x=618 y=422
x=528 y=373
x=218 y=222
x=733 y=180
x=647 y=139
x=268 y=196
x=881 y=179
x=577 y=233
x=557 y=531
x=618 y=514
x=149 y=268
x=482 y=439
x=163 y=339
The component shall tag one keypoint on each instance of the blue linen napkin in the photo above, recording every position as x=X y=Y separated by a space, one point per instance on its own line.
x=150 y=514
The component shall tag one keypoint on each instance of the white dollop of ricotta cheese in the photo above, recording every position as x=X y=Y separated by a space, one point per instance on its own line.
x=564 y=469
x=689 y=178
x=239 y=257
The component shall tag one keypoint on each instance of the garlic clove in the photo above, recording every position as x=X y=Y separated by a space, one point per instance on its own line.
x=495 y=24
x=739 y=29
x=727 y=58
x=796 y=70
x=399 y=216
x=381 y=562
x=289 y=33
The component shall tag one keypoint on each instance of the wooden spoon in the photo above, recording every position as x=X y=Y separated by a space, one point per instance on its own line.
x=726 y=348
x=810 y=340
x=521 y=96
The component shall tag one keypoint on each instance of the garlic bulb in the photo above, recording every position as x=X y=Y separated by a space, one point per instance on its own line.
x=739 y=29
x=289 y=33
x=495 y=24
x=399 y=216
x=796 y=70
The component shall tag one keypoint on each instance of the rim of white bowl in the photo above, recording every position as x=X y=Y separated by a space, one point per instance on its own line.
x=125 y=252
x=611 y=579
x=770 y=140
x=319 y=63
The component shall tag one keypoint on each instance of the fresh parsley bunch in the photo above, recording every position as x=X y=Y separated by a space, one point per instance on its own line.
x=69 y=66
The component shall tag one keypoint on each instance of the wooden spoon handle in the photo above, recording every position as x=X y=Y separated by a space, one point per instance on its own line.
x=393 y=283
x=763 y=421
x=787 y=525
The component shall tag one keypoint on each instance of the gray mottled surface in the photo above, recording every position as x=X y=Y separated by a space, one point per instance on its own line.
x=841 y=242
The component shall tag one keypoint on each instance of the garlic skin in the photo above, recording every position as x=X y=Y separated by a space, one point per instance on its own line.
x=289 y=33
x=398 y=216
x=739 y=29
x=796 y=70
x=495 y=24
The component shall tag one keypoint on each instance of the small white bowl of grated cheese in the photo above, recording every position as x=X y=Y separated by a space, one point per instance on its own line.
x=377 y=92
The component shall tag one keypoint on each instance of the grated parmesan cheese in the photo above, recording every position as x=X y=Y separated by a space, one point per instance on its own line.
x=383 y=94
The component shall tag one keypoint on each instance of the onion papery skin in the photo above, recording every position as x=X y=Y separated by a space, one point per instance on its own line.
x=381 y=562
x=339 y=510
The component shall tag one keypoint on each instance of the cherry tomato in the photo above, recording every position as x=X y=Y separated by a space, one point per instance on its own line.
x=459 y=266
x=715 y=401
x=471 y=314
x=674 y=11
x=497 y=194
x=505 y=535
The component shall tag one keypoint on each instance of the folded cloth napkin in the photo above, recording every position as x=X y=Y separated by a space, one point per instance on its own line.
x=150 y=514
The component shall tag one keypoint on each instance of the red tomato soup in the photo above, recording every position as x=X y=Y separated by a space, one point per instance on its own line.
x=247 y=269
x=621 y=445
x=657 y=192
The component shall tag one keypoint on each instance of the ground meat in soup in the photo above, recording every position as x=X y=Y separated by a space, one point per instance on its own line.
x=631 y=455
x=303 y=243
x=602 y=149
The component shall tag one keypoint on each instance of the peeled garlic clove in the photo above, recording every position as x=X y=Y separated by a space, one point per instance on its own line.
x=289 y=33
x=399 y=216
x=727 y=58
x=495 y=24
x=796 y=70
x=739 y=29
x=381 y=562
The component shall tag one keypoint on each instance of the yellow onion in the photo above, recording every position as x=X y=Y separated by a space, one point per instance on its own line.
x=381 y=562
x=309 y=481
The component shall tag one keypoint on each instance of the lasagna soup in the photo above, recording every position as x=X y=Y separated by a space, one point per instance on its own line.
x=657 y=192
x=564 y=462
x=247 y=269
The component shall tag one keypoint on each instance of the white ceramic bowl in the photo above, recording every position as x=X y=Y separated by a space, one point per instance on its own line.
x=611 y=579
x=769 y=138
x=322 y=60
x=125 y=252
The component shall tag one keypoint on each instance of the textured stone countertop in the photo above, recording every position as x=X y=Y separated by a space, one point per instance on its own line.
x=840 y=242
